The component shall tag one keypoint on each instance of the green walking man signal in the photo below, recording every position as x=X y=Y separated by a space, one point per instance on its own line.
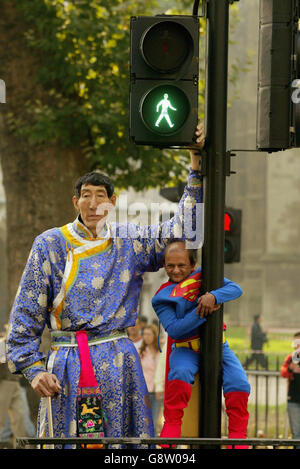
x=165 y=105
x=164 y=109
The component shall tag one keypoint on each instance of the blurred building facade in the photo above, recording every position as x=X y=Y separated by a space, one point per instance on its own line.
x=267 y=189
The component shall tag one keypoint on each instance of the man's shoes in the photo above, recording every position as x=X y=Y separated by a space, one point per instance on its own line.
x=170 y=430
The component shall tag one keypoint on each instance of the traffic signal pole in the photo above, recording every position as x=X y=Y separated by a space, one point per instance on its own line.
x=214 y=200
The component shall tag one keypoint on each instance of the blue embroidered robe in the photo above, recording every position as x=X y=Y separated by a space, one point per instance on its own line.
x=74 y=282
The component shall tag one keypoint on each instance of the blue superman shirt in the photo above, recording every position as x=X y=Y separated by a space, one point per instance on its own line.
x=175 y=304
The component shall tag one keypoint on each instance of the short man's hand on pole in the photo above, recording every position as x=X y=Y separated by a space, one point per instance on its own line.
x=206 y=305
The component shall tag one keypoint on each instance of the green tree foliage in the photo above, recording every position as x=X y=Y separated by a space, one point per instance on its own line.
x=83 y=52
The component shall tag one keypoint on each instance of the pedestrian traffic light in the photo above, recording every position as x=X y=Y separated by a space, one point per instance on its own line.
x=232 y=227
x=164 y=72
x=278 y=99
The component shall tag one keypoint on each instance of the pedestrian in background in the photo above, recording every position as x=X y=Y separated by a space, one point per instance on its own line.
x=149 y=354
x=291 y=371
x=143 y=322
x=160 y=381
x=12 y=402
x=258 y=339
x=135 y=334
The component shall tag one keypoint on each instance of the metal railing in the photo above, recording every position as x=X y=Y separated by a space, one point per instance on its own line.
x=154 y=443
x=267 y=401
x=267 y=408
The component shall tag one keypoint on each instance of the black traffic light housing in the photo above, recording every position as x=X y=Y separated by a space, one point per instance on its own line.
x=232 y=228
x=278 y=112
x=164 y=74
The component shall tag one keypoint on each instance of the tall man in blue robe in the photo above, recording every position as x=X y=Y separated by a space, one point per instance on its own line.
x=77 y=279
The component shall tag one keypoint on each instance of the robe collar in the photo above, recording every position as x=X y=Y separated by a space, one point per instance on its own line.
x=84 y=232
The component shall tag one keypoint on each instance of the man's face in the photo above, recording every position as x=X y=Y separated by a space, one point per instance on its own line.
x=92 y=205
x=177 y=262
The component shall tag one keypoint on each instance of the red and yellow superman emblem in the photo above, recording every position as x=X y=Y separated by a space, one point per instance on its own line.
x=188 y=288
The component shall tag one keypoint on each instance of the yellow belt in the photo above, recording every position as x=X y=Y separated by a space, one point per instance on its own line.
x=193 y=344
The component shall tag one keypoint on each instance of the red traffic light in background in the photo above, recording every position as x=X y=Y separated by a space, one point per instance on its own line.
x=232 y=228
x=227 y=221
x=232 y=224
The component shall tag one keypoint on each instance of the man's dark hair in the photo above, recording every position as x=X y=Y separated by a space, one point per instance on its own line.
x=191 y=252
x=297 y=334
x=95 y=178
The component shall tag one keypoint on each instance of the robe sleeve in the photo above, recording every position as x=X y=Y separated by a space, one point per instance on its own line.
x=29 y=314
x=150 y=241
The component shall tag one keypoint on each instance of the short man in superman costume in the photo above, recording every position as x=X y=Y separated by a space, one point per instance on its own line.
x=182 y=311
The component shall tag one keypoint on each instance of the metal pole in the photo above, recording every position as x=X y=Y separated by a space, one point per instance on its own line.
x=214 y=199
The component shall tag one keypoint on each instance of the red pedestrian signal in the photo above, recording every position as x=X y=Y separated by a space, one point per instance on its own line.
x=232 y=228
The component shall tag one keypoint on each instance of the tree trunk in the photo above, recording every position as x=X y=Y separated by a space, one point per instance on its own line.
x=38 y=179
